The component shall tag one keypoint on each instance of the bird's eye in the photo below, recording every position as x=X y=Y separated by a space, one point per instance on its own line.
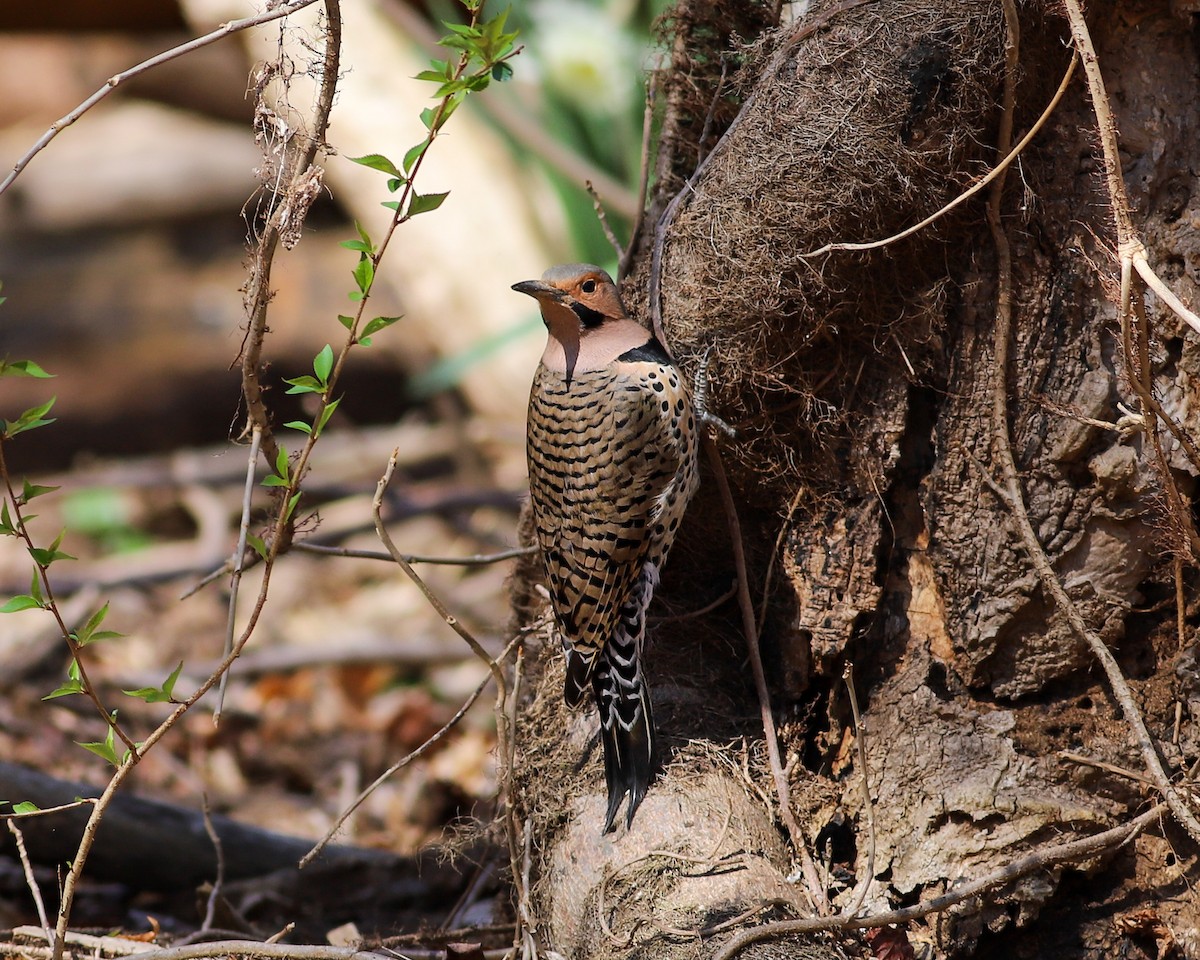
x=589 y=286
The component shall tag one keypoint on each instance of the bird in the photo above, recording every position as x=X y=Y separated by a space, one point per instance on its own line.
x=612 y=453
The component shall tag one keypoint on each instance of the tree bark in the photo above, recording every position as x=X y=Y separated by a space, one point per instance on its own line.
x=861 y=385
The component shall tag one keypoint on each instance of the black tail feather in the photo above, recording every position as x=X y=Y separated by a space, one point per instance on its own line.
x=629 y=762
x=578 y=674
x=627 y=730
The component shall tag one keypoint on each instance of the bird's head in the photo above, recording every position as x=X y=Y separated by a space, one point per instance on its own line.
x=584 y=316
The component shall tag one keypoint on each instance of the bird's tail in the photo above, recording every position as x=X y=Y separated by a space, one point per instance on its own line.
x=623 y=699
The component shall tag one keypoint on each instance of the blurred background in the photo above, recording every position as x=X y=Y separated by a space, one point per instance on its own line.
x=123 y=257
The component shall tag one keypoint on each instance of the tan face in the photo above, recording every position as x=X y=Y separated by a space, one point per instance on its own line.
x=579 y=302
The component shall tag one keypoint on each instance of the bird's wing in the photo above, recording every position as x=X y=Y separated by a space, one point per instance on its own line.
x=599 y=468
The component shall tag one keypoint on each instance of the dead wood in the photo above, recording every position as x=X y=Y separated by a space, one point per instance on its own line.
x=152 y=845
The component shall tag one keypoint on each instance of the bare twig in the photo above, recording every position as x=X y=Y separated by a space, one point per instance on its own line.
x=400 y=765
x=236 y=561
x=1041 y=859
x=214 y=895
x=503 y=731
x=1109 y=767
x=30 y=880
x=812 y=879
x=860 y=736
x=604 y=224
x=475 y=560
x=643 y=180
x=233 y=26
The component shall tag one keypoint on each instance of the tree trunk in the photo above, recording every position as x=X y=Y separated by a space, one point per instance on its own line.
x=861 y=384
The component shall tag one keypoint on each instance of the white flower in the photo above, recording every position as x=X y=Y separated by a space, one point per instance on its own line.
x=585 y=56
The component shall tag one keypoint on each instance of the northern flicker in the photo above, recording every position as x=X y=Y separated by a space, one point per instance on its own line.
x=612 y=450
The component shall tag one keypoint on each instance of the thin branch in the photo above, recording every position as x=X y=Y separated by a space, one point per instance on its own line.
x=237 y=562
x=815 y=889
x=860 y=737
x=233 y=26
x=643 y=179
x=214 y=895
x=400 y=765
x=30 y=880
x=604 y=224
x=1155 y=283
x=50 y=602
x=1041 y=859
x=503 y=731
x=434 y=601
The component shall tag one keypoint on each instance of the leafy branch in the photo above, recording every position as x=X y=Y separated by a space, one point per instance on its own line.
x=14 y=522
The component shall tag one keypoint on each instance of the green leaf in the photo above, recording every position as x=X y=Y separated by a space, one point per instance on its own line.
x=44 y=556
x=327 y=413
x=35 y=587
x=413 y=153
x=22 y=368
x=163 y=694
x=295 y=498
x=501 y=72
x=364 y=274
x=281 y=462
x=31 y=490
x=299 y=425
x=359 y=245
x=31 y=419
x=22 y=602
x=323 y=361
x=362 y=233
x=377 y=324
x=461 y=29
x=345 y=321
x=424 y=202
x=391 y=205
x=69 y=687
x=26 y=807
x=304 y=384
x=84 y=634
x=257 y=545
x=393 y=185
x=6 y=524
x=105 y=748
x=377 y=161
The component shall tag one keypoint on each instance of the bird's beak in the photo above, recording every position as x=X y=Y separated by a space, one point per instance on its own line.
x=539 y=290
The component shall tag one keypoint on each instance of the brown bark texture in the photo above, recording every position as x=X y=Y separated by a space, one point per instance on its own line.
x=860 y=385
